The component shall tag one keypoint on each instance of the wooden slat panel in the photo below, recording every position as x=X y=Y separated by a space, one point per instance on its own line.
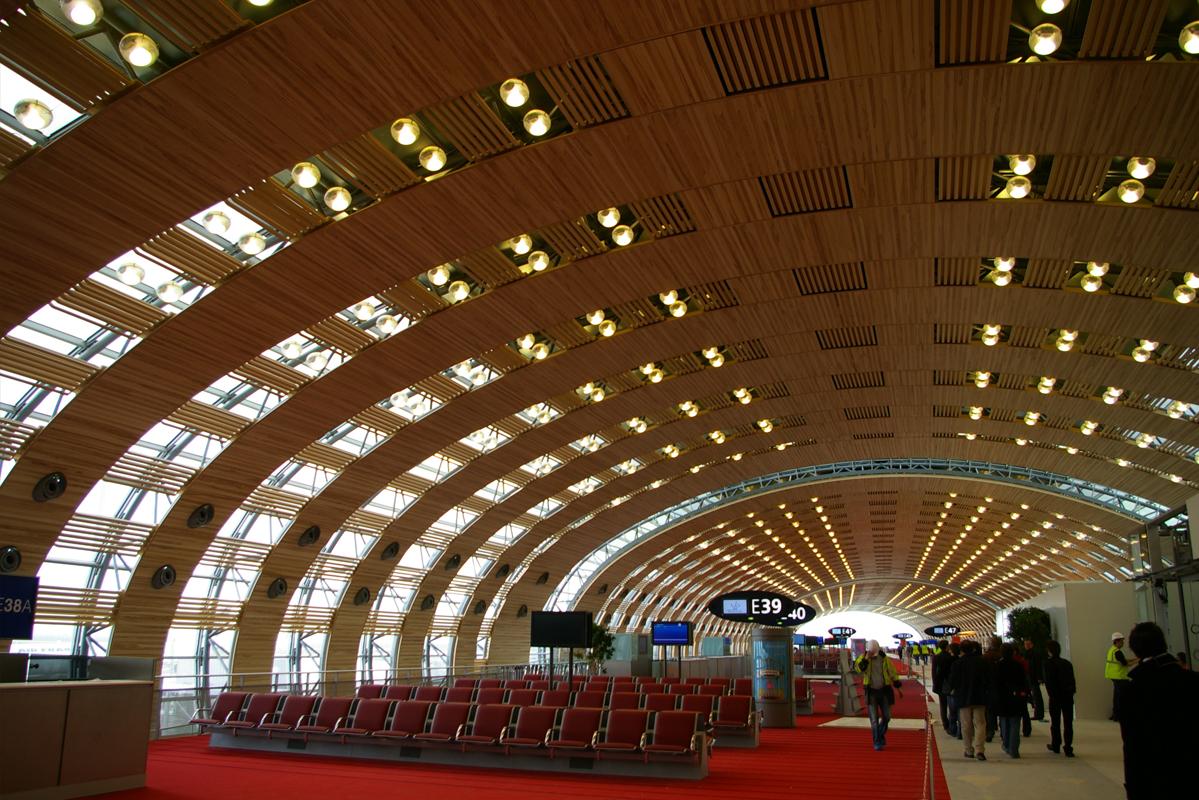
x=366 y=522
x=378 y=419
x=831 y=278
x=1047 y=273
x=573 y=240
x=152 y=474
x=1027 y=336
x=711 y=296
x=204 y=418
x=504 y=359
x=326 y=456
x=955 y=271
x=1122 y=28
x=12 y=148
x=583 y=92
x=272 y=206
x=636 y=313
x=1076 y=177
x=663 y=216
x=858 y=380
x=489 y=267
x=471 y=126
x=951 y=334
x=568 y=334
x=1139 y=281
x=267 y=374
x=413 y=299
x=190 y=24
x=964 y=178
x=973 y=31
x=766 y=51
x=805 y=191
x=274 y=502
x=184 y=253
x=59 y=605
x=48 y=56
x=664 y=73
x=119 y=312
x=104 y=535
x=367 y=164
x=13 y=436
x=44 y=366
x=837 y=338
x=341 y=335
x=206 y=614
x=1181 y=189
x=1109 y=345
x=877 y=36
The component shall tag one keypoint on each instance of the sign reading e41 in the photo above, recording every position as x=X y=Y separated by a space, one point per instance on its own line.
x=18 y=600
x=842 y=632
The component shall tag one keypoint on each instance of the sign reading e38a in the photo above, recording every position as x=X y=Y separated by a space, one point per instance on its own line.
x=761 y=608
x=18 y=598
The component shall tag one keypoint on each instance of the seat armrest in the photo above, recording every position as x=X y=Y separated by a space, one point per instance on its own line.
x=644 y=740
x=305 y=720
x=262 y=721
x=230 y=715
x=547 y=736
x=697 y=742
x=197 y=715
x=594 y=739
x=503 y=735
x=461 y=730
x=337 y=724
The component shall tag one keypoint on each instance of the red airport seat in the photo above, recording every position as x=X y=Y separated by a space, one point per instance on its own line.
x=370 y=715
x=600 y=679
x=578 y=730
x=618 y=700
x=554 y=697
x=449 y=722
x=574 y=686
x=261 y=708
x=534 y=676
x=701 y=704
x=743 y=686
x=711 y=690
x=516 y=684
x=227 y=706
x=399 y=692
x=651 y=688
x=675 y=734
x=722 y=682
x=681 y=688
x=465 y=683
x=623 y=679
x=329 y=714
x=428 y=694
x=644 y=679
x=369 y=691
x=539 y=685
x=626 y=732
x=734 y=712
x=295 y=708
x=696 y=681
x=491 y=695
x=408 y=720
x=661 y=702
x=590 y=699
x=668 y=680
x=490 y=683
x=460 y=694
x=523 y=697
x=534 y=725
x=490 y=726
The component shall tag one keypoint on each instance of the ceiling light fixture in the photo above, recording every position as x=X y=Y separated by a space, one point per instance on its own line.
x=623 y=235
x=82 y=12
x=1045 y=39
x=439 y=275
x=1188 y=38
x=1022 y=164
x=138 y=49
x=1141 y=167
x=609 y=217
x=514 y=92
x=1184 y=294
x=521 y=244
x=538 y=261
x=1130 y=191
x=33 y=114
x=432 y=158
x=1018 y=187
x=251 y=244
x=130 y=274
x=405 y=130
x=216 y=222
x=536 y=122
x=338 y=198
x=458 y=291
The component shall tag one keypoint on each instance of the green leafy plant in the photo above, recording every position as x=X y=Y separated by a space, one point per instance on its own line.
x=1027 y=622
x=603 y=645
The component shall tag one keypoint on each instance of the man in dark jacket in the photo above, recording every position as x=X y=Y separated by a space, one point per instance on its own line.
x=1157 y=718
x=1059 y=683
x=970 y=681
x=1036 y=676
x=942 y=663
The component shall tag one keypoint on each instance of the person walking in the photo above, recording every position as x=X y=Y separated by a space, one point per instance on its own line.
x=1116 y=669
x=942 y=663
x=970 y=681
x=1157 y=718
x=1036 y=676
x=991 y=656
x=879 y=677
x=1011 y=698
x=1059 y=683
x=1025 y=719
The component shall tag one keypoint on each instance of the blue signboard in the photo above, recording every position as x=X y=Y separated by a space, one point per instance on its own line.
x=18 y=599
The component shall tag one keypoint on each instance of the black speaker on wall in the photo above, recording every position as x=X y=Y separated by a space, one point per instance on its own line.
x=543 y=578
x=523 y=611
x=363 y=596
x=453 y=562
x=200 y=516
x=311 y=535
x=163 y=577
x=428 y=602
x=278 y=586
x=391 y=551
x=50 y=487
x=503 y=571
x=10 y=559
x=603 y=589
x=480 y=607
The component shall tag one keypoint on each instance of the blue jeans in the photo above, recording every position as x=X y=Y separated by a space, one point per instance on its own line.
x=878 y=703
x=1009 y=731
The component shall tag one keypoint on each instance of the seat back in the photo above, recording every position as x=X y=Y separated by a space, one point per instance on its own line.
x=369 y=690
x=371 y=714
x=722 y=682
x=428 y=694
x=580 y=724
x=491 y=721
x=801 y=688
x=534 y=676
x=626 y=726
x=668 y=680
x=661 y=702
x=295 y=708
x=652 y=688
x=399 y=692
x=711 y=690
x=516 y=684
x=675 y=728
x=227 y=703
x=701 y=704
x=533 y=721
x=625 y=700
x=540 y=685
x=619 y=679
x=467 y=683
x=733 y=708
x=460 y=694
x=696 y=681
x=410 y=716
x=447 y=717
x=331 y=710
x=262 y=705
x=554 y=697
x=681 y=688
x=743 y=686
x=490 y=683
x=589 y=699
x=523 y=697
x=491 y=695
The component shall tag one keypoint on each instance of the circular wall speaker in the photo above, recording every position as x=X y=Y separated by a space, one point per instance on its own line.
x=603 y=589
x=453 y=561
x=362 y=597
x=200 y=516
x=428 y=602
x=10 y=559
x=391 y=551
x=543 y=578
x=523 y=611
x=311 y=535
x=503 y=571
x=163 y=577
x=480 y=607
x=50 y=487
x=278 y=586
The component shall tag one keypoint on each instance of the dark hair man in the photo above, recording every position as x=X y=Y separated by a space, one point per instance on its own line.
x=970 y=681
x=1036 y=676
x=1157 y=720
x=1059 y=683
x=942 y=663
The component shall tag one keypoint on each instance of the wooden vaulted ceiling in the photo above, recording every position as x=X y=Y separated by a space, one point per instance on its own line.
x=816 y=176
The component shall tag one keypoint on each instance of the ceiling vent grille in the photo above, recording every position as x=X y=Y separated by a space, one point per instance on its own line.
x=583 y=92
x=867 y=412
x=830 y=278
x=841 y=338
x=858 y=380
x=806 y=191
x=767 y=51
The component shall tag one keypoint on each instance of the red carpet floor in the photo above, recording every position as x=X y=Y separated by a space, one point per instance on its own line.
x=806 y=761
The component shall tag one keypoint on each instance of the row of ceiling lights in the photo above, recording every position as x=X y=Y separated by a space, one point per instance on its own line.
x=1046 y=38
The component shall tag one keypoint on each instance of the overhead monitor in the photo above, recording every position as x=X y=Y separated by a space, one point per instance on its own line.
x=560 y=629
x=671 y=633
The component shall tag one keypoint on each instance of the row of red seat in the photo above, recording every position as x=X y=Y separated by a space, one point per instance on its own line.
x=577 y=680
x=498 y=728
x=529 y=696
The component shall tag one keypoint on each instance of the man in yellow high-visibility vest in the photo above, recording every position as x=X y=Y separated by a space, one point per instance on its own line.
x=1116 y=669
